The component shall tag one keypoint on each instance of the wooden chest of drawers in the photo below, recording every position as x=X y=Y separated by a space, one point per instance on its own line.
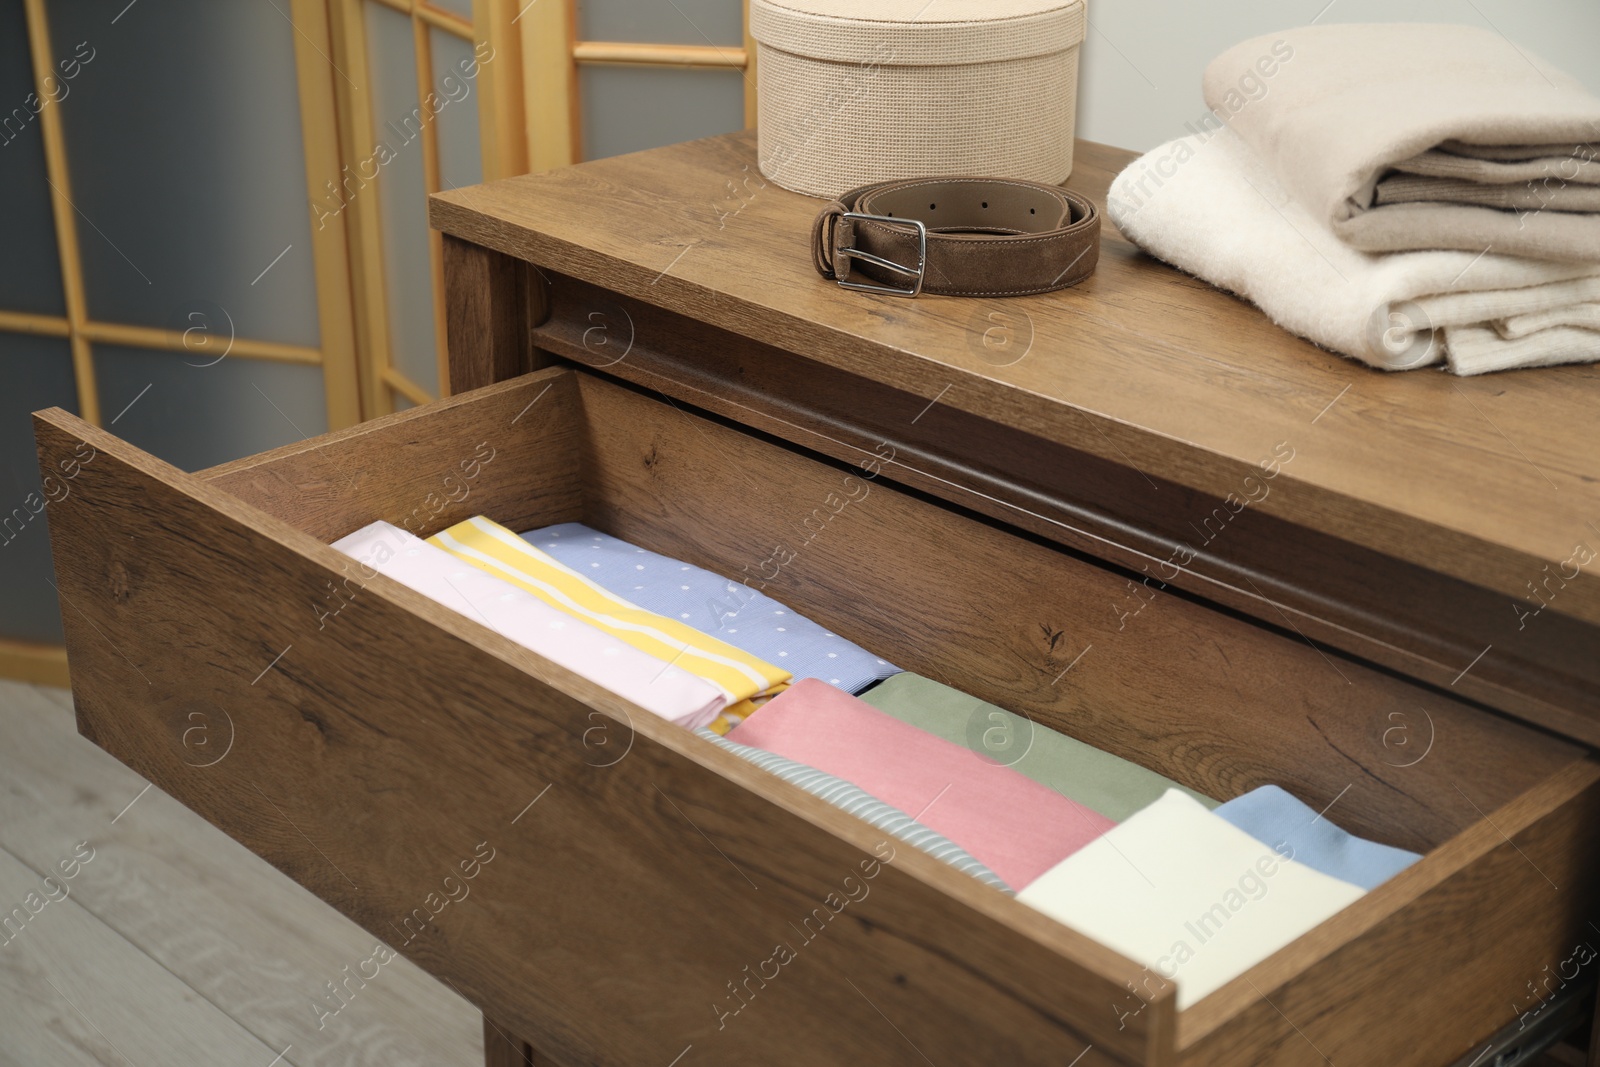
x=1134 y=511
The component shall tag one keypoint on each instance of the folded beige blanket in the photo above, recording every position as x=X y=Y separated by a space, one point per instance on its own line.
x=1213 y=208
x=1356 y=112
x=1554 y=171
x=1517 y=153
x=1527 y=196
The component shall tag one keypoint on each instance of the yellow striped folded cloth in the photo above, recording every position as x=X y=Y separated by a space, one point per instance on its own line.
x=743 y=678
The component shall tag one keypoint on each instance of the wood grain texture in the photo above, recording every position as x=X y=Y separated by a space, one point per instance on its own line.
x=486 y=315
x=1562 y=1054
x=513 y=447
x=1485 y=482
x=100 y=999
x=379 y=752
x=1214 y=702
x=1494 y=907
x=1594 y=1033
x=202 y=908
x=502 y=1049
x=1389 y=611
x=384 y=765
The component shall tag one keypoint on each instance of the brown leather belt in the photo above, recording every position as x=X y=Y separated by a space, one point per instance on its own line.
x=957 y=237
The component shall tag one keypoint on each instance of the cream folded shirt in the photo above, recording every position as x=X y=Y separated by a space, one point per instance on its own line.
x=1190 y=896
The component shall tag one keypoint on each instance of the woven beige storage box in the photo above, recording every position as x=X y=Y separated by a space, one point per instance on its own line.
x=853 y=92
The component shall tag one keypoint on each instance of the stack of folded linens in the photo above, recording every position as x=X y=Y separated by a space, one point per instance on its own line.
x=1406 y=195
x=1013 y=825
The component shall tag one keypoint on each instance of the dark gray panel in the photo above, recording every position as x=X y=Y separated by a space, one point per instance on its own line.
x=460 y=149
x=37 y=372
x=662 y=21
x=184 y=145
x=626 y=109
x=194 y=413
x=30 y=271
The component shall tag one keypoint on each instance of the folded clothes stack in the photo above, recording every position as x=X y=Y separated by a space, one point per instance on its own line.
x=1403 y=194
x=864 y=806
x=1012 y=824
x=738 y=614
x=1188 y=895
x=743 y=678
x=1110 y=785
x=1196 y=895
x=1292 y=829
x=672 y=693
x=1111 y=848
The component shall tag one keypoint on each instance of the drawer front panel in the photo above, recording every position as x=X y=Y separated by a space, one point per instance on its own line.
x=464 y=801
x=1437 y=959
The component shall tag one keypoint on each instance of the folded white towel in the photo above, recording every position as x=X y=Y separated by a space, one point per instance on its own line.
x=1208 y=205
x=1186 y=893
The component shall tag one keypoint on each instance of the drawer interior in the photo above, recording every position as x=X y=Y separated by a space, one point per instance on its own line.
x=1212 y=700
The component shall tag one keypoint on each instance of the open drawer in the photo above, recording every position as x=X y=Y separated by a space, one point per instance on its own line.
x=627 y=876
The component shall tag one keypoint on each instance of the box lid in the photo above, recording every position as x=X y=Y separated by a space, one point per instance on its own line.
x=918 y=32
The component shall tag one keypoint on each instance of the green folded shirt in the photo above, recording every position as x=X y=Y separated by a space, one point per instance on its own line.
x=1109 y=784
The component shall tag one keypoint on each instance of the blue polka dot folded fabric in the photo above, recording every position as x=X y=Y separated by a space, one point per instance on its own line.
x=1279 y=821
x=728 y=610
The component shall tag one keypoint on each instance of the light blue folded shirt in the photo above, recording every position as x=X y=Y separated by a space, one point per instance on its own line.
x=1294 y=830
x=728 y=610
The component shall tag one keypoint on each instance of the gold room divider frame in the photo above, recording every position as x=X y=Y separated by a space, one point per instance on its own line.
x=529 y=120
x=336 y=351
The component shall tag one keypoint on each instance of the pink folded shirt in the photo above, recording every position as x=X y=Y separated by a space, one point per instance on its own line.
x=1014 y=825
x=669 y=692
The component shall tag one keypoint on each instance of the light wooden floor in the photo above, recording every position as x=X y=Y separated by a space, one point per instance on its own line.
x=174 y=945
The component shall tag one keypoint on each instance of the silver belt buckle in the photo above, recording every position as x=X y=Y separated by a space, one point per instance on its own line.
x=916 y=273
